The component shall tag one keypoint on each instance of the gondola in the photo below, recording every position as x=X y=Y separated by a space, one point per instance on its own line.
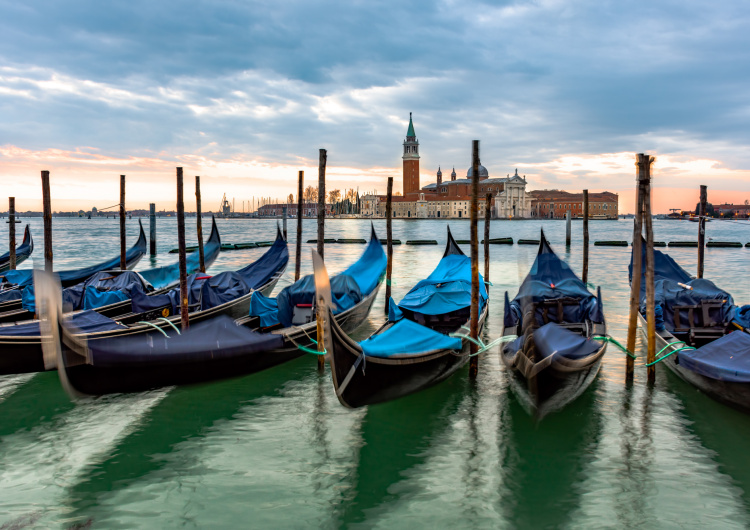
x=109 y=292
x=14 y=283
x=23 y=251
x=213 y=349
x=560 y=328
x=227 y=293
x=702 y=336
x=414 y=349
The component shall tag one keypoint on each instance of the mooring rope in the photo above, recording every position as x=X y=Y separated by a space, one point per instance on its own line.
x=482 y=346
x=609 y=339
x=171 y=324
x=686 y=347
x=157 y=328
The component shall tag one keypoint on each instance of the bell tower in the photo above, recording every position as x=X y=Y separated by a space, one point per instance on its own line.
x=411 y=161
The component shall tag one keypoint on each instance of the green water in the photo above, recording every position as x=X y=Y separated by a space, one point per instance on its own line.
x=276 y=450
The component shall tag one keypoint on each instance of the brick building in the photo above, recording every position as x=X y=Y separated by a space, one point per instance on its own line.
x=450 y=198
x=552 y=204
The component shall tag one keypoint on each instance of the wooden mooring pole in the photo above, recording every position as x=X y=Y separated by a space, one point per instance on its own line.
x=152 y=228
x=184 y=317
x=389 y=243
x=123 y=247
x=473 y=214
x=47 y=207
x=322 y=159
x=300 y=213
x=487 y=216
x=12 y=232
x=284 y=212
x=567 y=229
x=201 y=256
x=650 y=295
x=702 y=229
x=635 y=282
x=585 y=275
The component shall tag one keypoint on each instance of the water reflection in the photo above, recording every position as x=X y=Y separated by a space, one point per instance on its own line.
x=546 y=461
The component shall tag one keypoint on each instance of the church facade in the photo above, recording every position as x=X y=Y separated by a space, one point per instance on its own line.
x=449 y=198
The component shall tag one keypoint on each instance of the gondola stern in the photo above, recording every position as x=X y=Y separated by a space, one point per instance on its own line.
x=451 y=247
x=373 y=234
x=53 y=330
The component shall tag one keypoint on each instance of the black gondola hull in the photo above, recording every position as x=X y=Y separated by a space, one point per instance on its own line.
x=375 y=380
x=736 y=395
x=95 y=380
x=20 y=355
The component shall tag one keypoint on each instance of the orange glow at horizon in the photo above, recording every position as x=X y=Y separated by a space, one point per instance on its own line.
x=85 y=177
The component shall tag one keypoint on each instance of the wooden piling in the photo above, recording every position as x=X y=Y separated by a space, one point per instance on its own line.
x=152 y=228
x=201 y=258
x=283 y=220
x=567 y=229
x=702 y=229
x=300 y=213
x=47 y=206
x=322 y=159
x=184 y=316
x=487 y=216
x=635 y=282
x=321 y=199
x=389 y=243
x=473 y=214
x=12 y=232
x=123 y=247
x=585 y=275
x=650 y=295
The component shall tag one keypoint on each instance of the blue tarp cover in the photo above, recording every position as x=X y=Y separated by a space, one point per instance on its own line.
x=668 y=293
x=552 y=337
x=345 y=294
x=664 y=267
x=81 y=295
x=161 y=277
x=95 y=298
x=85 y=322
x=266 y=308
x=10 y=294
x=551 y=278
x=725 y=359
x=211 y=340
x=405 y=338
x=446 y=289
x=347 y=288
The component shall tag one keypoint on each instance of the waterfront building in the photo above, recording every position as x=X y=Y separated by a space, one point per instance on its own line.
x=552 y=204
x=309 y=209
x=449 y=198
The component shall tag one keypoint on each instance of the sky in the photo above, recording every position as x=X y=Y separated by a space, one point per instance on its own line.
x=245 y=93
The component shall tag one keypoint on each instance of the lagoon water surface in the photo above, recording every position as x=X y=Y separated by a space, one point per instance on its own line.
x=276 y=450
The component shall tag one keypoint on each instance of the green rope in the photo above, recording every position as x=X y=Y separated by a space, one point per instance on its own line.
x=308 y=350
x=670 y=353
x=170 y=323
x=157 y=328
x=613 y=341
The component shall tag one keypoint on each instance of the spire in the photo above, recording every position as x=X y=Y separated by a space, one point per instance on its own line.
x=410 y=133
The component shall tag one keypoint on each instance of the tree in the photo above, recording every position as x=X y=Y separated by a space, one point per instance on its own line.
x=311 y=194
x=290 y=198
x=334 y=196
x=710 y=212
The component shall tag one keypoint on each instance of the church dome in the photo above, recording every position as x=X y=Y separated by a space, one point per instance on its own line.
x=439 y=173
x=483 y=174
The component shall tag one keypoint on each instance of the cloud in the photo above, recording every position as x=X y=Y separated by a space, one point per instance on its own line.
x=538 y=82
